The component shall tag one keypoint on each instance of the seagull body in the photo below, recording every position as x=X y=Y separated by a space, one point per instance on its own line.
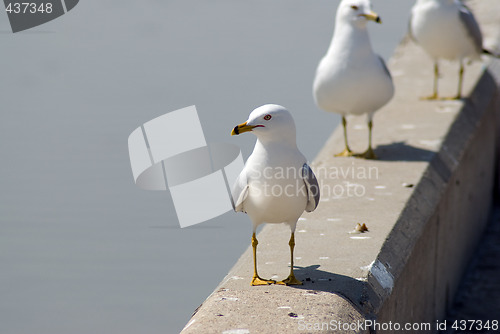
x=351 y=79
x=267 y=160
x=441 y=28
x=276 y=185
x=446 y=29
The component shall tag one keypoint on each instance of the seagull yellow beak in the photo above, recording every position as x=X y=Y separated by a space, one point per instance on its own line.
x=243 y=127
x=373 y=17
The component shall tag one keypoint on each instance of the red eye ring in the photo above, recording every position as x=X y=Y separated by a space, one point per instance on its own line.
x=267 y=117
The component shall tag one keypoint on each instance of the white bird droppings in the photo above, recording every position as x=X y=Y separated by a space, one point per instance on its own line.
x=323 y=257
x=383 y=276
x=360 y=238
x=431 y=143
x=236 y=331
x=368 y=267
x=380 y=187
x=302 y=231
x=302 y=219
x=397 y=73
x=232 y=299
x=334 y=219
x=446 y=109
x=284 y=307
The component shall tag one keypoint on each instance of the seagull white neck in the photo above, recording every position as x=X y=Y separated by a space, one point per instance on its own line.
x=349 y=39
x=285 y=142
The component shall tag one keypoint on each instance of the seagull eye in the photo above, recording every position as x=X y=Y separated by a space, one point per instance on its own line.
x=354 y=7
x=267 y=117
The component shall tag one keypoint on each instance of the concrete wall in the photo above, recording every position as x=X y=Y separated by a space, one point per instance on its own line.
x=428 y=254
x=425 y=201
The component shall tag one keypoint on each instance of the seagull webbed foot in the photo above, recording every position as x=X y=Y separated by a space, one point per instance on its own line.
x=368 y=154
x=345 y=153
x=290 y=280
x=256 y=280
x=452 y=98
x=430 y=98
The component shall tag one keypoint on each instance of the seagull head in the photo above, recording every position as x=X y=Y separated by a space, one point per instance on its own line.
x=357 y=12
x=270 y=122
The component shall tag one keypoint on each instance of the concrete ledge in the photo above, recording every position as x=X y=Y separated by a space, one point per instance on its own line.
x=425 y=202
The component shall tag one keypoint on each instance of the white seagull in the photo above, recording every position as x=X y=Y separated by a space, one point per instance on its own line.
x=446 y=29
x=276 y=185
x=351 y=79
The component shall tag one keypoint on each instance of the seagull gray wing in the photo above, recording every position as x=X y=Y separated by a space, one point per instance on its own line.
x=472 y=27
x=384 y=66
x=312 y=187
x=239 y=192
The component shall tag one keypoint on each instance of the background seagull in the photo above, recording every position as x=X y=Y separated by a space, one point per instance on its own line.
x=276 y=184
x=351 y=79
x=446 y=29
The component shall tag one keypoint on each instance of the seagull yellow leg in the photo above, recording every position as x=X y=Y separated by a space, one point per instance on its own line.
x=347 y=151
x=256 y=280
x=460 y=81
x=368 y=154
x=434 y=95
x=291 y=280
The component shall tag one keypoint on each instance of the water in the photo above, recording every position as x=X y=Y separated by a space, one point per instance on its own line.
x=82 y=249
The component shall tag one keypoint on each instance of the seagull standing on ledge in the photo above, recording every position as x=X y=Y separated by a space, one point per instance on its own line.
x=276 y=184
x=351 y=79
x=446 y=29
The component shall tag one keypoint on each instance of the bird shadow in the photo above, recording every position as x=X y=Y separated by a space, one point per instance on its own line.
x=348 y=288
x=401 y=151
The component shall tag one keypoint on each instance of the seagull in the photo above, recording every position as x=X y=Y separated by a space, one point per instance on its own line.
x=446 y=29
x=276 y=185
x=351 y=79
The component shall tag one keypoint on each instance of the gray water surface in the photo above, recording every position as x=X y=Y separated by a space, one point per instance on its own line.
x=82 y=249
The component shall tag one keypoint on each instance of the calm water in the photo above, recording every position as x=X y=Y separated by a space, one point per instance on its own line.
x=82 y=249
